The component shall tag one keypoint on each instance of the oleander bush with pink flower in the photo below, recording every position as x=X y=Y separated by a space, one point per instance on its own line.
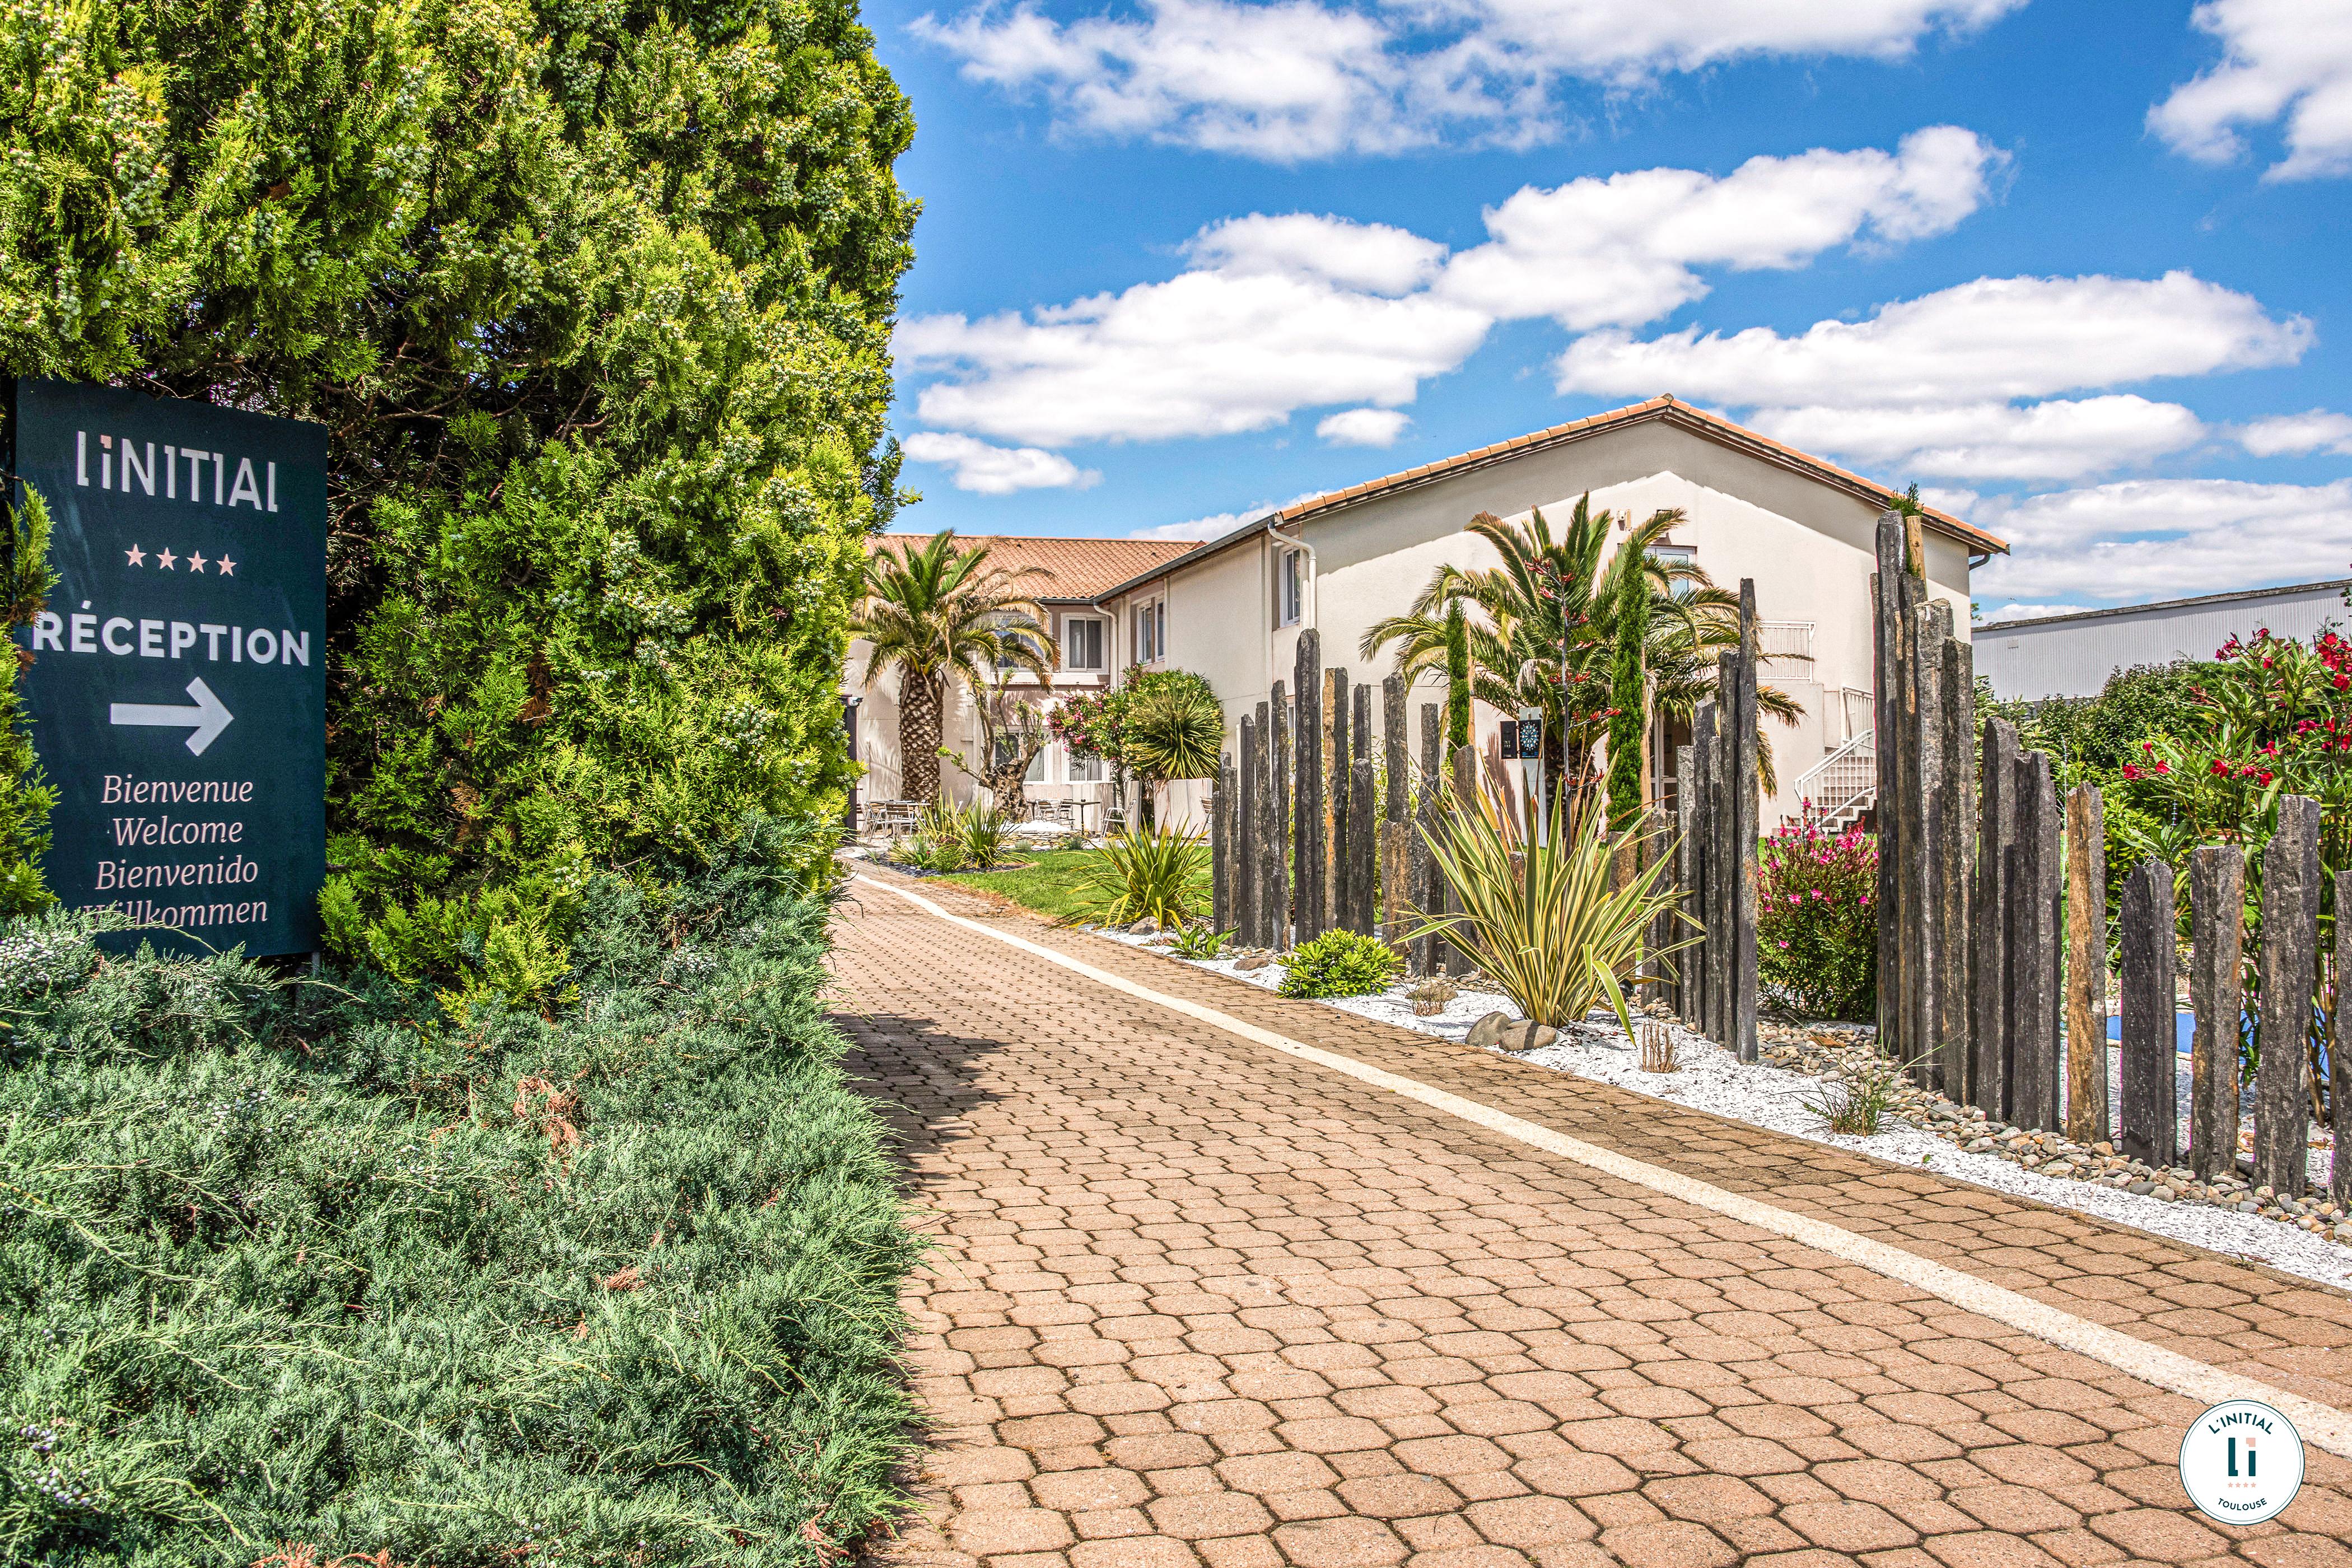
x=1817 y=922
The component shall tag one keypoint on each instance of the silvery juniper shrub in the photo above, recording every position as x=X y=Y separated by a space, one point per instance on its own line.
x=1817 y=923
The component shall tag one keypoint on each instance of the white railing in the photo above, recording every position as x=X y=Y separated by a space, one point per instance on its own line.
x=1842 y=785
x=1784 y=639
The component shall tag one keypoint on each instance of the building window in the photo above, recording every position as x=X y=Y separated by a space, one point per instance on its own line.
x=1088 y=769
x=1674 y=555
x=1151 y=631
x=1294 y=586
x=1082 y=644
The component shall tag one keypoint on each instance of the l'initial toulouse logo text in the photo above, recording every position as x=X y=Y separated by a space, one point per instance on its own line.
x=121 y=465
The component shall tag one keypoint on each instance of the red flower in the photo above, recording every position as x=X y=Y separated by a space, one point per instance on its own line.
x=2163 y=767
x=2221 y=767
x=2130 y=772
x=2265 y=777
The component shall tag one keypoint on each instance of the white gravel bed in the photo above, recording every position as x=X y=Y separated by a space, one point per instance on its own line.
x=1712 y=1080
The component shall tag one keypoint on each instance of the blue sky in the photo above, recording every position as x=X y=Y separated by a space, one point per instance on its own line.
x=2080 y=269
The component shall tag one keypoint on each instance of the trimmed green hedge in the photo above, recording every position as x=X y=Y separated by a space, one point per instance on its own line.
x=292 y=1262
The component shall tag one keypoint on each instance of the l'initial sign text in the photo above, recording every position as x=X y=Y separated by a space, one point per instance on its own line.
x=125 y=462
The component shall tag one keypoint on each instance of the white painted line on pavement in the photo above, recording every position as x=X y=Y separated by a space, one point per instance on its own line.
x=2323 y=1426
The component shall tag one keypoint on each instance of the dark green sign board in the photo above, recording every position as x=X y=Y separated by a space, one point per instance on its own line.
x=179 y=685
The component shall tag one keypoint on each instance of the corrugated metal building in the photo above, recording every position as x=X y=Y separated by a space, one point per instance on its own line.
x=2072 y=656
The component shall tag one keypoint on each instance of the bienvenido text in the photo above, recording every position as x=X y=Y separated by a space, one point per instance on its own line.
x=219 y=870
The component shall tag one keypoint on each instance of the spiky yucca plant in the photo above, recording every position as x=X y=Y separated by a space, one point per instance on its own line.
x=1159 y=873
x=1540 y=919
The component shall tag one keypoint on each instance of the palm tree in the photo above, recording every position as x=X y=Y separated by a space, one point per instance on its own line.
x=1548 y=617
x=935 y=611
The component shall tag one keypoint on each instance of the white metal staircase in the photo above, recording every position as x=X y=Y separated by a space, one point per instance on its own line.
x=1842 y=785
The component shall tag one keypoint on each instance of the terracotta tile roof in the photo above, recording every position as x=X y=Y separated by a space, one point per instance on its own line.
x=1714 y=427
x=1080 y=568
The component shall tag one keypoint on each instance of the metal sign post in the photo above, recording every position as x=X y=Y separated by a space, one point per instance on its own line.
x=178 y=687
x=1531 y=772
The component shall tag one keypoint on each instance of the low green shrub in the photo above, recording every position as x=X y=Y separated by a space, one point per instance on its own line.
x=1200 y=941
x=317 y=1269
x=1340 y=963
x=1817 y=922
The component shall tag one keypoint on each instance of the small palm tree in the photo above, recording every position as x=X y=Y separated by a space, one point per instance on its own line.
x=936 y=612
x=1548 y=618
x=1176 y=733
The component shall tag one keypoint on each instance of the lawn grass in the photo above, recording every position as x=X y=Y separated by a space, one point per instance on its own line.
x=1051 y=881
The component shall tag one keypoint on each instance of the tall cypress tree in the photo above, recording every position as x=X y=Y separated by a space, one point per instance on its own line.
x=596 y=304
x=1628 y=691
x=1457 y=677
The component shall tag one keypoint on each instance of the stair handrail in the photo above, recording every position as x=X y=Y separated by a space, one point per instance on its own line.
x=1866 y=741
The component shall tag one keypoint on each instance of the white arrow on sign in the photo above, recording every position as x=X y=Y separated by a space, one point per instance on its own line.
x=207 y=717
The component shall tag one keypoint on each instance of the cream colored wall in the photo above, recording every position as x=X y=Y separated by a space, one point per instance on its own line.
x=1808 y=548
x=961 y=731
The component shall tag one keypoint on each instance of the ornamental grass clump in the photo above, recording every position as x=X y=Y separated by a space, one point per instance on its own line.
x=1817 y=922
x=1544 y=922
x=1340 y=963
x=307 y=1269
x=1150 y=873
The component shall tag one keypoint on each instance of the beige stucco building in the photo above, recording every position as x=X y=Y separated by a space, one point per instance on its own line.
x=1802 y=528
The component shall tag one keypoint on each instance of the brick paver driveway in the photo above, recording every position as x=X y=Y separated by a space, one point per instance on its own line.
x=1195 y=1301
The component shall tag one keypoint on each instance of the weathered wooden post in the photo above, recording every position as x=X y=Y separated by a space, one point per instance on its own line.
x=1221 y=847
x=1245 y=864
x=1465 y=798
x=1698 y=963
x=1747 y=830
x=1989 y=1041
x=1685 y=882
x=1337 y=798
x=1277 y=830
x=2033 y=948
x=1396 y=844
x=2217 y=935
x=2086 y=966
x=1363 y=848
x=1428 y=886
x=1955 y=867
x=1657 y=845
x=1269 y=840
x=1886 y=636
x=2339 y=1069
x=2289 y=979
x=2150 y=1120
x=1363 y=837
x=1307 y=848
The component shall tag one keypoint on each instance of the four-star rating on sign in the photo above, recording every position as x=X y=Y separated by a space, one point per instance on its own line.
x=170 y=562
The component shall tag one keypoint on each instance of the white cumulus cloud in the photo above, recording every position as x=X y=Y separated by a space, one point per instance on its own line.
x=2288 y=59
x=1217 y=524
x=2155 y=538
x=2296 y=435
x=997 y=470
x=1993 y=338
x=1274 y=314
x=1937 y=385
x=2027 y=613
x=2057 y=439
x=1363 y=427
x=1293 y=80
x=1627 y=250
